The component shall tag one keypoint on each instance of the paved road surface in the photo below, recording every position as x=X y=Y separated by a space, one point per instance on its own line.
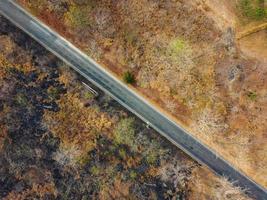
x=125 y=96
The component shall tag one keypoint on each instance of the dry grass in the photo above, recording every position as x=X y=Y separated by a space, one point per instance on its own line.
x=77 y=126
x=205 y=185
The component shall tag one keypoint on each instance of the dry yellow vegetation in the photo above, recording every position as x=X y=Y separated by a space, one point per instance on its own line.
x=206 y=186
x=77 y=126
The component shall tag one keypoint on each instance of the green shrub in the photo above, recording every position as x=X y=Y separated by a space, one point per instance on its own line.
x=53 y=92
x=77 y=16
x=88 y=95
x=133 y=174
x=125 y=133
x=95 y=170
x=128 y=77
x=180 y=51
x=122 y=153
x=260 y=13
x=153 y=152
x=151 y=158
x=21 y=100
x=177 y=46
x=253 y=9
x=252 y=96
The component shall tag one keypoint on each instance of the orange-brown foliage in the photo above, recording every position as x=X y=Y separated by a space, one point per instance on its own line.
x=77 y=126
x=35 y=190
x=119 y=190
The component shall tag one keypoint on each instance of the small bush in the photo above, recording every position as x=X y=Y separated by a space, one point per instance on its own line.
x=128 y=77
x=177 y=46
x=133 y=174
x=131 y=36
x=122 y=153
x=253 y=9
x=88 y=95
x=125 y=133
x=260 y=13
x=95 y=170
x=21 y=100
x=252 y=96
x=53 y=92
x=151 y=158
x=180 y=51
x=78 y=16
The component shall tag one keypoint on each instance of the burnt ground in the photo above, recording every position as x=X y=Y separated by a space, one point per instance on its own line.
x=26 y=148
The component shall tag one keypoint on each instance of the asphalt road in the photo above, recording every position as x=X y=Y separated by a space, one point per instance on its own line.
x=127 y=97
